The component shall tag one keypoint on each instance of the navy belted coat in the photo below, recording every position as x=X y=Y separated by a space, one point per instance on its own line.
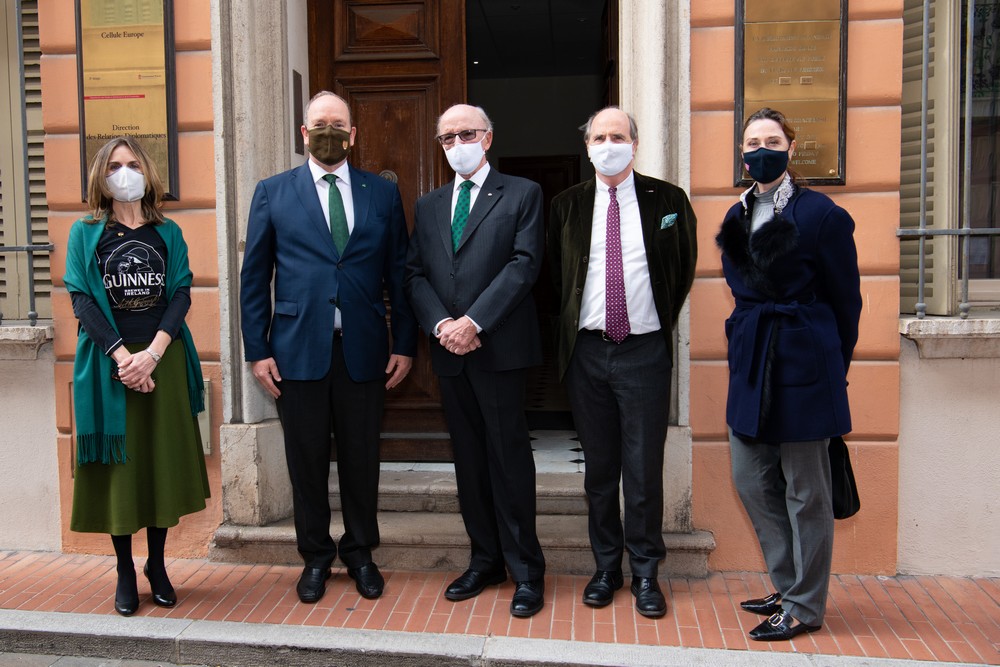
x=792 y=333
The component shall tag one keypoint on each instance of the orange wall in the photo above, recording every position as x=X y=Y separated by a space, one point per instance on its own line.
x=865 y=543
x=195 y=213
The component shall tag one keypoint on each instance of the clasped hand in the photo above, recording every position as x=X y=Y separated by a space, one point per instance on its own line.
x=459 y=336
x=135 y=370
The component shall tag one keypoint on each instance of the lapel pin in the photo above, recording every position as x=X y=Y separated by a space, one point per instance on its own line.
x=489 y=194
x=364 y=185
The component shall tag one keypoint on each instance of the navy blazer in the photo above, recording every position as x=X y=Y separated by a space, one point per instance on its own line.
x=289 y=239
x=489 y=278
x=793 y=330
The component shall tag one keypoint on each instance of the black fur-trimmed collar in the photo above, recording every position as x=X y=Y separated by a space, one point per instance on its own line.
x=753 y=254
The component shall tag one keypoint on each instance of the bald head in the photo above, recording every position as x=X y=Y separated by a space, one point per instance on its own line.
x=611 y=116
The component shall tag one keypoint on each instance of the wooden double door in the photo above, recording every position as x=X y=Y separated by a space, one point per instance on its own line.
x=399 y=65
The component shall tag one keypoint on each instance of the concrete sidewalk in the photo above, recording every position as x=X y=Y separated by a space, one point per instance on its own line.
x=164 y=641
x=54 y=604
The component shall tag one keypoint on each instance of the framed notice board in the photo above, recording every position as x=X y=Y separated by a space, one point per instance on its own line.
x=125 y=69
x=792 y=56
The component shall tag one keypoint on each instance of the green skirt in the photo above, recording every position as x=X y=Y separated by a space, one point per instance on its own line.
x=163 y=477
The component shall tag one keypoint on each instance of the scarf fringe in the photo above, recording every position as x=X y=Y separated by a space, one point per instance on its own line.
x=100 y=448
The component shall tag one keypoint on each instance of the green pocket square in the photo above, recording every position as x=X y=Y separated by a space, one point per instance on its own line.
x=668 y=221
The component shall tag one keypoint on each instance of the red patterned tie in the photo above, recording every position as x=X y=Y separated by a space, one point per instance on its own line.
x=616 y=311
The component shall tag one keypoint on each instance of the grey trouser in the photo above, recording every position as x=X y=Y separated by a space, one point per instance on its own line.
x=785 y=489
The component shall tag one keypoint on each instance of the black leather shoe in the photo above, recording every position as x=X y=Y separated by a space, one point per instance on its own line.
x=528 y=598
x=763 y=606
x=126 y=594
x=780 y=627
x=472 y=583
x=368 y=580
x=163 y=592
x=601 y=589
x=312 y=583
x=649 y=600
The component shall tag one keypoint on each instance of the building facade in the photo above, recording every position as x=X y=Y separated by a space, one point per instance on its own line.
x=923 y=391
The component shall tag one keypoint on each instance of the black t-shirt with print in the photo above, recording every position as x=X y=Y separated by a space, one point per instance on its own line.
x=133 y=265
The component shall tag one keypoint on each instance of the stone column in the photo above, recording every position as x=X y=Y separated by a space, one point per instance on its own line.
x=654 y=73
x=249 y=54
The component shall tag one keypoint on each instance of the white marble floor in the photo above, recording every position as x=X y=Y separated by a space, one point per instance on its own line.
x=555 y=451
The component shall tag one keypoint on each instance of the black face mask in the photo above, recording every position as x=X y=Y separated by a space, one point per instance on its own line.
x=766 y=165
x=329 y=145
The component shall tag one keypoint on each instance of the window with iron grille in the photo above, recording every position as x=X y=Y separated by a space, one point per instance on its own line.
x=962 y=239
x=23 y=209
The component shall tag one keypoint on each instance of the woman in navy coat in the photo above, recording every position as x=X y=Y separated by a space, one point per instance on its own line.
x=789 y=257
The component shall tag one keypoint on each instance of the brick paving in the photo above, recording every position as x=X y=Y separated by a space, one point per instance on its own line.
x=949 y=619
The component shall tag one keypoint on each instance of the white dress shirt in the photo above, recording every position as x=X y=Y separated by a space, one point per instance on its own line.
x=642 y=315
x=343 y=182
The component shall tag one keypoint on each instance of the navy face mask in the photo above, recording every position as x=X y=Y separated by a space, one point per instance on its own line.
x=766 y=165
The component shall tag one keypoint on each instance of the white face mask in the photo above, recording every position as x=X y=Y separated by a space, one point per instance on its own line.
x=464 y=158
x=127 y=184
x=609 y=158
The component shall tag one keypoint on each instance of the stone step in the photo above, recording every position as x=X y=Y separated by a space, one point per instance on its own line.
x=437 y=541
x=436 y=491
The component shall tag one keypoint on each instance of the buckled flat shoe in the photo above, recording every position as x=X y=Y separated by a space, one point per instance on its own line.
x=763 y=606
x=780 y=627
x=163 y=592
x=126 y=594
x=600 y=591
x=472 y=583
x=312 y=583
x=649 y=600
x=368 y=580
x=528 y=598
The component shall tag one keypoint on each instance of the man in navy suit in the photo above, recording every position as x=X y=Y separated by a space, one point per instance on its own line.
x=474 y=256
x=330 y=239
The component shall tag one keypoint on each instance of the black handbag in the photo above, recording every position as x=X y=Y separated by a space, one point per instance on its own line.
x=846 y=501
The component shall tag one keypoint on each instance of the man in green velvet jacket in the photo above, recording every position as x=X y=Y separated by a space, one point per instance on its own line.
x=623 y=250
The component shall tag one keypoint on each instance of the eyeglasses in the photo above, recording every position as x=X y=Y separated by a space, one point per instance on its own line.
x=465 y=135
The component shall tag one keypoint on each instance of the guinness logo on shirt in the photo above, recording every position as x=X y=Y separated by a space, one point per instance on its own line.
x=134 y=276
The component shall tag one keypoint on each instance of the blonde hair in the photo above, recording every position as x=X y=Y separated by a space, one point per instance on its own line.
x=99 y=197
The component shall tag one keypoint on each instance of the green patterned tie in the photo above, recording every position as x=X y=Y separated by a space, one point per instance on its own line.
x=338 y=219
x=461 y=213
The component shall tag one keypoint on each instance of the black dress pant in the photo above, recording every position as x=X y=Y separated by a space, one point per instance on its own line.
x=494 y=469
x=620 y=397
x=308 y=410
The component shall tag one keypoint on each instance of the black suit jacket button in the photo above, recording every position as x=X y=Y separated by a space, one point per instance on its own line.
x=333 y=301
x=340 y=265
x=579 y=291
x=585 y=260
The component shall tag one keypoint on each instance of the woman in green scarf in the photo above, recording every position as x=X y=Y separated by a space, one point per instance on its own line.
x=137 y=385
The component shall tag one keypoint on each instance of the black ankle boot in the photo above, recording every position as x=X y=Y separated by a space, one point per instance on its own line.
x=163 y=593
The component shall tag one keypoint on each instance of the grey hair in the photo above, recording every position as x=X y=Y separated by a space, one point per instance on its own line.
x=482 y=113
x=324 y=93
x=632 y=127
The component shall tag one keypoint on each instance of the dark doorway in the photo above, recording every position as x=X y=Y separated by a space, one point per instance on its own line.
x=539 y=69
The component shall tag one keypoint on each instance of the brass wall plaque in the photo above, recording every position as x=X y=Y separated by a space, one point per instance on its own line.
x=792 y=57
x=125 y=68
x=792 y=61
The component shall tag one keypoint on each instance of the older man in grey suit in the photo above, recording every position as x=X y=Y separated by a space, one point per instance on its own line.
x=474 y=255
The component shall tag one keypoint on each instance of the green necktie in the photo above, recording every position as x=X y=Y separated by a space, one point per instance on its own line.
x=461 y=213
x=338 y=219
